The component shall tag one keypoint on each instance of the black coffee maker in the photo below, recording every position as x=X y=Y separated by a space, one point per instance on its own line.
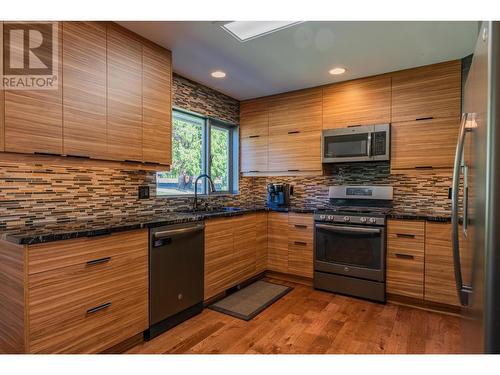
x=278 y=195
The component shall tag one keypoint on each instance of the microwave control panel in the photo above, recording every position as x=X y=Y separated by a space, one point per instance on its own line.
x=378 y=143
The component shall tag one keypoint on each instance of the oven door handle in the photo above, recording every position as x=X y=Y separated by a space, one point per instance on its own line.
x=344 y=229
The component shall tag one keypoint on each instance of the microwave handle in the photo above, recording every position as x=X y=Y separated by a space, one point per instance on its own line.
x=369 y=148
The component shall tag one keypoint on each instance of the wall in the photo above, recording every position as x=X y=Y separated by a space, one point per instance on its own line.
x=35 y=192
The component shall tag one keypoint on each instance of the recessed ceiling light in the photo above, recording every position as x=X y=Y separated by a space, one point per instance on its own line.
x=247 y=30
x=336 y=71
x=218 y=74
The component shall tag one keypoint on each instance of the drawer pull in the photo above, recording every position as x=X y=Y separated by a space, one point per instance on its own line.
x=254 y=136
x=404 y=256
x=98 y=261
x=294 y=132
x=301 y=226
x=301 y=243
x=424 y=118
x=99 y=308
x=405 y=235
x=424 y=167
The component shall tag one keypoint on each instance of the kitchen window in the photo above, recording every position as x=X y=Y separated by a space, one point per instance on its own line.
x=200 y=145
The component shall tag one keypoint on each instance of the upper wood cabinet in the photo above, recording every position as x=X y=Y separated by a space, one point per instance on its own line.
x=424 y=144
x=254 y=154
x=295 y=152
x=2 y=128
x=298 y=111
x=84 y=89
x=33 y=118
x=124 y=95
x=359 y=102
x=254 y=118
x=157 y=105
x=431 y=91
x=439 y=273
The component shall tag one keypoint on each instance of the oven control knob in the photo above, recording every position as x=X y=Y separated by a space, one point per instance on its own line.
x=362 y=219
x=347 y=219
x=330 y=217
x=322 y=217
x=373 y=220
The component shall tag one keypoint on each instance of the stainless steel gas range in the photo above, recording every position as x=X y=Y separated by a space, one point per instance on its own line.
x=350 y=241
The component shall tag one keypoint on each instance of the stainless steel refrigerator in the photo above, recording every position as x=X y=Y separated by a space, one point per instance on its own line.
x=476 y=198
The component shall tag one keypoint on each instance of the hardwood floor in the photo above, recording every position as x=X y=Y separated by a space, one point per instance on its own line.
x=308 y=321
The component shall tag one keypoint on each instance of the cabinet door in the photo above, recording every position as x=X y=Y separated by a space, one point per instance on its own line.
x=2 y=128
x=254 y=118
x=300 y=244
x=254 y=154
x=124 y=95
x=261 y=242
x=300 y=151
x=430 y=91
x=439 y=273
x=277 y=231
x=245 y=250
x=298 y=111
x=427 y=143
x=219 y=256
x=359 y=102
x=157 y=105
x=84 y=89
x=33 y=118
x=405 y=258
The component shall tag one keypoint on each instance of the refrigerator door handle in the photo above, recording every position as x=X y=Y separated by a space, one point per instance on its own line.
x=462 y=290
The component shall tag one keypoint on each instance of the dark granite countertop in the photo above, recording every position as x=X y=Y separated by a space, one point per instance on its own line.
x=48 y=232
x=420 y=214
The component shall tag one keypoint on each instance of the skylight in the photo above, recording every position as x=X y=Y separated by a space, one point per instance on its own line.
x=247 y=30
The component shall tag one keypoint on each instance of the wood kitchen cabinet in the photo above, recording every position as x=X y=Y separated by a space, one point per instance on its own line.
x=124 y=99
x=231 y=251
x=156 y=105
x=2 y=127
x=300 y=244
x=364 y=101
x=295 y=152
x=277 y=242
x=431 y=91
x=254 y=131
x=424 y=144
x=261 y=242
x=33 y=118
x=297 y=111
x=81 y=295
x=439 y=272
x=405 y=258
x=84 y=89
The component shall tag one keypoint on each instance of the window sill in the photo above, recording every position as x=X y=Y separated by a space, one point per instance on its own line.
x=204 y=196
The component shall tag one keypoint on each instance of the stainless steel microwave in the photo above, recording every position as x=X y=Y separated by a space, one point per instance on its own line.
x=356 y=143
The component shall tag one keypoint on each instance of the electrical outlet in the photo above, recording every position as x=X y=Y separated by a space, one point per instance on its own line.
x=143 y=192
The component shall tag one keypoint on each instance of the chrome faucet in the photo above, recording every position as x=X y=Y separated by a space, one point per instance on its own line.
x=210 y=184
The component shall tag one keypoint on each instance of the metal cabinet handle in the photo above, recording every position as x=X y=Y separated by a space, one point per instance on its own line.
x=98 y=261
x=301 y=226
x=462 y=289
x=301 y=243
x=254 y=136
x=294 y=132
x=404 y=256
x=405 y=235
x=424 y=118
x=99 y=308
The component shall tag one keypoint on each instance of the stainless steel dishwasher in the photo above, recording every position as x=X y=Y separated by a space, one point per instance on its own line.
x=176 y=274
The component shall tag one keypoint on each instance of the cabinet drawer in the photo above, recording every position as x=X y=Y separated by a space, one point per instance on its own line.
x=300 y=227
x=53 y=255
x=405 y=274
x=87 y=308
x=407 y=233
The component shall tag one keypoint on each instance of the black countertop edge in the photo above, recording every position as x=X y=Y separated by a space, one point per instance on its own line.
x=93 y=228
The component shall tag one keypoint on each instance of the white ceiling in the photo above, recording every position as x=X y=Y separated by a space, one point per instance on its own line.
x=300 y=56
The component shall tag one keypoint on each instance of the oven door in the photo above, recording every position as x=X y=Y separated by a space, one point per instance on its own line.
x=355 y=251
x=346 y=145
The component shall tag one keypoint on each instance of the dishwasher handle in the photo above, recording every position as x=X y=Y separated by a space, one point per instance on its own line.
x=177 y=232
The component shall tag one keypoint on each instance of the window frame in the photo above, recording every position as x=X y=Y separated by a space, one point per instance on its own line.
x=233 y=153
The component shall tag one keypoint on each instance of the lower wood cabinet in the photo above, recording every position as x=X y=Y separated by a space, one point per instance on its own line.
x=233 y=251
x=439 y=271
x=420 y=261
x=277 y=242
x=81 y=295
